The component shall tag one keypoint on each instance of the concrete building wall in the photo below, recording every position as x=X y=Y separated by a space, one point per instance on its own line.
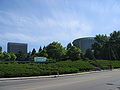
x=84 y=43
x=16 y=47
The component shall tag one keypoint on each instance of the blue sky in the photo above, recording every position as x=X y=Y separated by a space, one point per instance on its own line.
x=39 y=22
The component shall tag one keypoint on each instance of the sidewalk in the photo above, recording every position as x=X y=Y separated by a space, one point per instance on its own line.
x=50 y=76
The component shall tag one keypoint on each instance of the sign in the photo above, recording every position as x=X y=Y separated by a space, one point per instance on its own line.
x=40 y=59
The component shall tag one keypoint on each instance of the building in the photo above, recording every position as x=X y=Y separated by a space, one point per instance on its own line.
x=84 y=43
x=16 y=47
x=0 y=49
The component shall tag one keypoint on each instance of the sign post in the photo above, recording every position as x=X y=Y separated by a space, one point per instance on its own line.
x=40 y=59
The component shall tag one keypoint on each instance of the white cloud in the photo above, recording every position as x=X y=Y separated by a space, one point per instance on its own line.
x=22 y=37
x=62 y=26
x=9 y=18
x=66 y=26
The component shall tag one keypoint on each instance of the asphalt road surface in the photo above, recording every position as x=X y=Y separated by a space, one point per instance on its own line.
x=105 y=80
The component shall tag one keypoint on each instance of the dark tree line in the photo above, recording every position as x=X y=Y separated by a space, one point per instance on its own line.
x=107 y=47
x=54 y=52
x=57 y=52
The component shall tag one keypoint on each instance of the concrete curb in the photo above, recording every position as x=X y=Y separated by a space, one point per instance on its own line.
x=50 y=76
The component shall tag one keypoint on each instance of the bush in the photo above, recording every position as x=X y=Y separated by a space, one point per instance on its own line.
x=105 y=63
x=35 y=69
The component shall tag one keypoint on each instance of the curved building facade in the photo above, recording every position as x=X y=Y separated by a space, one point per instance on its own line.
x=84 y=43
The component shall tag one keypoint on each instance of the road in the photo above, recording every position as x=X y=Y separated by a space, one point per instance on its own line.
x=105 y=80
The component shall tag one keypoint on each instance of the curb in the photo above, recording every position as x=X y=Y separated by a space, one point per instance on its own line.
x=50 y=76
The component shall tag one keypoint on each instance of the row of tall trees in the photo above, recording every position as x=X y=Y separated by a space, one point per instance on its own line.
x=57 y=52
x=107 y=47
x=54 y=51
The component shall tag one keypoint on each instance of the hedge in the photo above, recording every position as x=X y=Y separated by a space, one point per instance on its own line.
x=35 y=69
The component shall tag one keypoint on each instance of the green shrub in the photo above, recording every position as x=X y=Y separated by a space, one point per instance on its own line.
x=105 y=63
x=35 y=69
